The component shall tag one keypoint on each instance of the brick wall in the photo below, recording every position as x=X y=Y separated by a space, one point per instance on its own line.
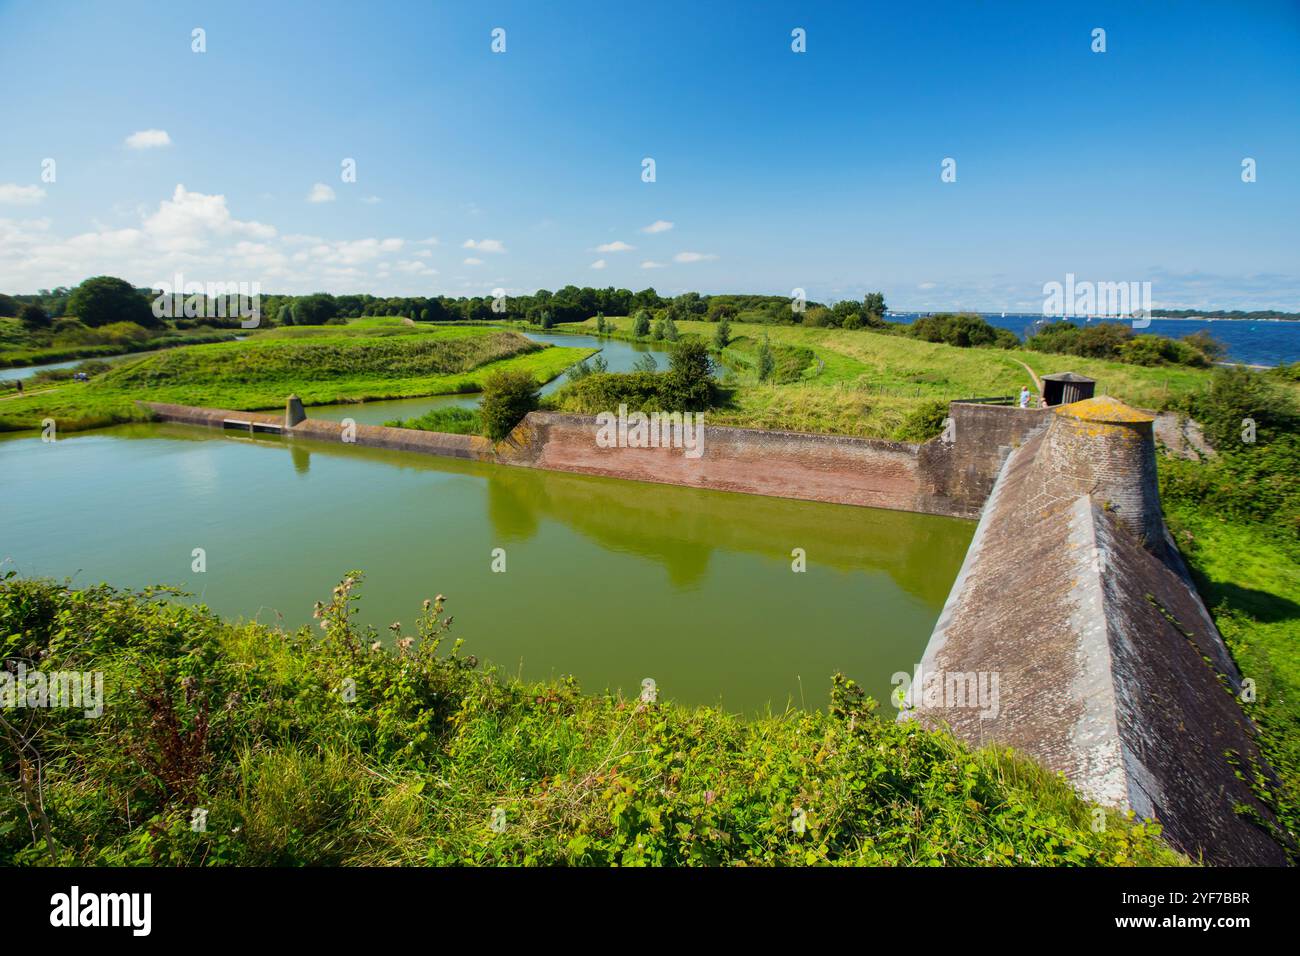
x=939 y=477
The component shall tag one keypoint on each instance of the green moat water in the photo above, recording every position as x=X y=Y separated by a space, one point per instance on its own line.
x=609 y=581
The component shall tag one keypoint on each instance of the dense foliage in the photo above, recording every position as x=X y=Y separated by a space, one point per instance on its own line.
x=507 y=398
x=1116 y=341
x=449 y=421
x=1236 y=518
x=963 y=329
x=104 y=300
x=687 y=386
x=1254 y=425
x=325 y=747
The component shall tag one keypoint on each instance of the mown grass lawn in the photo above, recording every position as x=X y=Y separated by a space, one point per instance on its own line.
x=322 y=365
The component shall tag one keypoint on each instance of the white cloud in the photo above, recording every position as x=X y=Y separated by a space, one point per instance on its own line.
x=926 y=286
x=187 y=219
x=320 y=193
x=148 y=139
x=693 y=257
x=431 y=241
x=371 y=200
x=196 y=234
x=415 y=267
x=471 y=261
x=648 y=264
x=618 y=246
x=21 y=195
x=659 y=225
x=351 y=252
x=598 y=264
x=484 y=245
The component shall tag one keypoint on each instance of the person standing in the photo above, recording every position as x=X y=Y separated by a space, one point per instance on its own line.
x=1024 y=396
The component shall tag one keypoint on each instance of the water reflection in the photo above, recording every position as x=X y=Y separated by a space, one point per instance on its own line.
x=611 y=581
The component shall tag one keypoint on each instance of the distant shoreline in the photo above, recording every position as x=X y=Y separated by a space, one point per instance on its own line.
x=1096 y=318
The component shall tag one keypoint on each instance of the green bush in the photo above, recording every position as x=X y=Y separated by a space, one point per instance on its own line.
x=34 y=317
x=1254 y=481
x=507 y=398
x=1116 y=342
x=688 y=385
x=1236 y=394
x=104 y=299
x=923 y=422
x=641 y=324
x=640 y=391
x=961 y=329
x=323 y=747
x=722 y=334
x=450 y=421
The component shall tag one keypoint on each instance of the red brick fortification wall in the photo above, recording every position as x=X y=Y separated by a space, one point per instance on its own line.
x=951 y=478
x=958 y=474
x=857 y=471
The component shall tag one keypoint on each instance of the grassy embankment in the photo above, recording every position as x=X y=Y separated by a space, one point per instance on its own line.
x=867 y=383
x=323 y=365
x=1252 y=586
x=17 y=351
x=321 y=747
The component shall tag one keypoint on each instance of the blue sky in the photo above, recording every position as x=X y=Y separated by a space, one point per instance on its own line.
x=777 y=170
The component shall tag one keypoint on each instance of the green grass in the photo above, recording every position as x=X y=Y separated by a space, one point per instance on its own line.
x=319 y=748
x=449 y=421
x=869 y=383
x=20 y=357
x=323 y=365
x=1252 y=587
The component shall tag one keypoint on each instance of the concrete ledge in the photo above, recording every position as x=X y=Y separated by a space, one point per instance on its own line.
x=370 y=436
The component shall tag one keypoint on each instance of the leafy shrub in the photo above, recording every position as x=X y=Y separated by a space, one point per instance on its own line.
x=1116 y=342
x=404 y=768
x=578 y=372
x=722 y=334
x=688 y=385
x=315 y=309
x=33 y=316
x=1159 y=350
x=961 y=329
x=1236 y=394
x=507 y=398
x=1253 y=481
x=640 y=391
x=103 y=300
x=923 y=422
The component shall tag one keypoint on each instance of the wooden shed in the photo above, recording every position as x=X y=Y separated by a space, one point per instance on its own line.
x=1065 y=387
